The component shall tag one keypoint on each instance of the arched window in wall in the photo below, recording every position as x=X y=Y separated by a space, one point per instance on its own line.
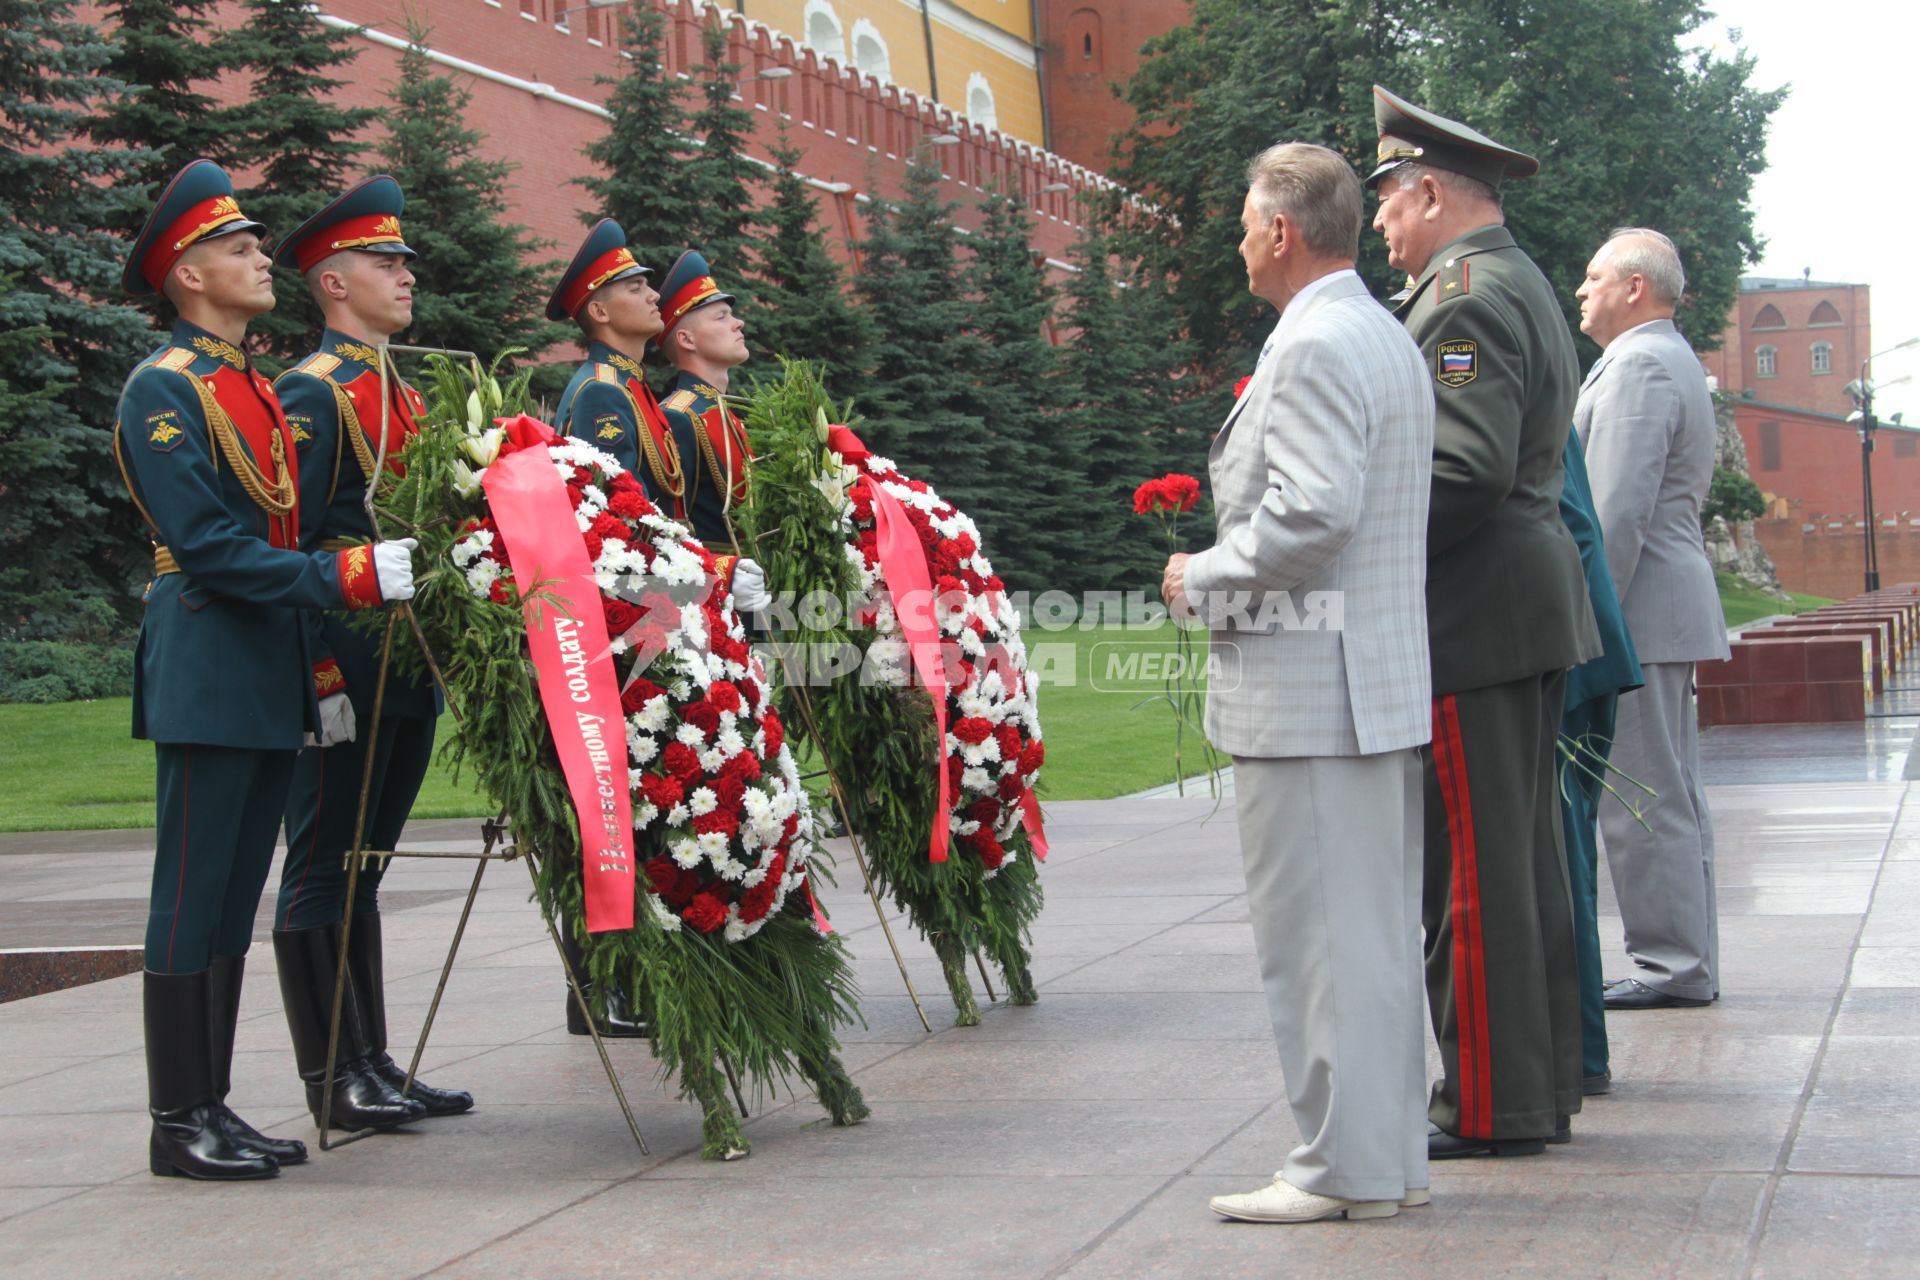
x=1824 y=314
x=1083 y=49
x=980 y=102
x=870 y=52
x=824 y=33
x=1823 y=357
x=1765 y=362
x=1769 y=317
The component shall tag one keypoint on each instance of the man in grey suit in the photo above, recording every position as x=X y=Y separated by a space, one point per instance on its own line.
x=1315 y=592
x=1646 y=418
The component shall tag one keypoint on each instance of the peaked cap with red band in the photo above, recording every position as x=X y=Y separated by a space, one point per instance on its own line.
x=689 y=284
x=197 y=205
x=364 y=217
x=603 y=259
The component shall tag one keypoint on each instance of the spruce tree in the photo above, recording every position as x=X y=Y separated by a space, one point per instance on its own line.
x=1121 y=361
x=477 y=289
x=718 y=177
x=166 y=53
x=67 y=528
x=921 y=400
x=1023 y=396
x=802 y=310
x=301 y=143
x=645 y=146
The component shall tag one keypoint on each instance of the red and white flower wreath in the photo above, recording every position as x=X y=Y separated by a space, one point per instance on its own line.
x=993 y=751
x=722 y=826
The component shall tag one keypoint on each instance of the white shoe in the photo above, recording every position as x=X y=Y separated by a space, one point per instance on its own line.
x=1415 y=1197
x=1281 y=1201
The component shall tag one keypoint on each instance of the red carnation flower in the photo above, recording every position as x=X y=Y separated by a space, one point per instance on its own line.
x=972 y=729
x=662 y=875
x=1011 y=785
x=627 y=504
x=575 y=496
x=955 y=767
x=1172 y=492
x=635 y=697
x=608 y=526
x=594 y=545
x=682 y=762
x=498 y=592
x=724 y=695
x=620 y=615
x=742 y=767
x=1009 y=739
x=985 y=809
x=718 y=821
x=661 y=791
x=703 y=715
x=1033 y=757
x=775 y=731
x=582 y=476
x=987 y=848
x=1240 y=387
x=728 y=790
x=705 y=913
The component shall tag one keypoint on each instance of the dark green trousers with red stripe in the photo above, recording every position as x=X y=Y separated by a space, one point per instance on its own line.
x=1502 y=984
x=217 y=813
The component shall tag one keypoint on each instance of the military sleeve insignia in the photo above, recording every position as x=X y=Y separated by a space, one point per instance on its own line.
x=164 y=432
x=1457 y=362
x=302 y=427
x=607 y=427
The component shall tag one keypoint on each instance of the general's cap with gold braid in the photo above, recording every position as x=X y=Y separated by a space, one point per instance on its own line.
x=1410 y=134
x=603 y=259
x=197 y=205
x=689 y=284
x=364 y=217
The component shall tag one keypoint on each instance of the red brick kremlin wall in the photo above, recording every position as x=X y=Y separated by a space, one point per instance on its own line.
x=534 y=101
x=1088 y=46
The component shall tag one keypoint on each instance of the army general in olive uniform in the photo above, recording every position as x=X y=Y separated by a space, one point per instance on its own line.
x=223 y=679
x=1507 y=615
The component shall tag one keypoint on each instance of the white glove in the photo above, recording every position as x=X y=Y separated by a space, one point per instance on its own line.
x=393 y=567
x=336 y=720
x=749 y=587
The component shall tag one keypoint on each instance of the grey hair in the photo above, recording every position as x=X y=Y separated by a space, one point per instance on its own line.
x=1316 y=189
x=1644 y=252
x=1408 y=176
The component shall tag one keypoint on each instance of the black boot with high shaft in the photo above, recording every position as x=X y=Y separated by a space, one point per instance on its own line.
x=613 y=1012
x=224 y=980
x=190 y=1137
x=366 y=972
x=361 y=1099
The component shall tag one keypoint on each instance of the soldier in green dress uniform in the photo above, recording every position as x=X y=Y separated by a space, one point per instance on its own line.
x=608 y=402
x=223 y=680
x=356 y=265
x=1507 y=615
x=705 y=341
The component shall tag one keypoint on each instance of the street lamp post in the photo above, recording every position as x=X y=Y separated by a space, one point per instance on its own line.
x=1861 y=391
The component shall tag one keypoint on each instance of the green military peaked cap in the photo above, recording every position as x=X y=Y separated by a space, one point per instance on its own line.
x=1410 y=134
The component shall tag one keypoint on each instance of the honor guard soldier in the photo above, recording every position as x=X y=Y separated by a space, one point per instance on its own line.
x=356 y=265
x=608 y=403
x=223 y=681
x=705 y=341
x=1507 y=615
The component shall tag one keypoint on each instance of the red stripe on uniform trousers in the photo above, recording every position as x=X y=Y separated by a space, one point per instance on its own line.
x=1469 y=943
x=186 y=815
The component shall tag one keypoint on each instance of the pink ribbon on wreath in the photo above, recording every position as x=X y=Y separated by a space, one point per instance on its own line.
x=579 y=691
x=903 y=562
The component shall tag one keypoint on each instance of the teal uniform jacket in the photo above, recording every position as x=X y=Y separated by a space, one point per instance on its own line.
x=223 y=655
x=1617 y=669
x=609 y=405
x=343 y=376
x=1505 y=598
x=713 y=446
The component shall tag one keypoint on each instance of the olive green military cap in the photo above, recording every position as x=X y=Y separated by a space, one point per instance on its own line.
x=1410 y=134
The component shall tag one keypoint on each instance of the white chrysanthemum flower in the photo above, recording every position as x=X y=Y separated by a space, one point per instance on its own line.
x=678 y=815
x=691 y=734
x=686 y=853
x=737 y=930
x=643 y=817
x=663 y=915
x=653 y=717
x=702 y=801
x=713 y=844
x=713 y=759
x=731 y=869
x=681 y=690
x=976 y=779
x=643 y=751
x=731 y=742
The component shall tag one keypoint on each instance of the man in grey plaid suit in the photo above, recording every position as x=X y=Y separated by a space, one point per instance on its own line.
x=1315 y=592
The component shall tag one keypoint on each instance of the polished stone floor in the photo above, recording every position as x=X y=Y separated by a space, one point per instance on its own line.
x=1770 y=1135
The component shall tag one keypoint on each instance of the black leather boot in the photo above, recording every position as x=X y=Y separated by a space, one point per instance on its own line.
x=361 y=1099
x=614 y=1012
x=224 y=980
x=366 y=973
x=190 y=1134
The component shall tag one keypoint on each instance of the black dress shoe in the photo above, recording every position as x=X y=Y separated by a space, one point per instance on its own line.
x=1635 y=994
x=1562 y=1132
x=1442 y=1145
x=1591 y=1086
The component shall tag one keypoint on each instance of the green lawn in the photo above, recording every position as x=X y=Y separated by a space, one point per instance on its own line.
x=73 y=766
x=1743 y=603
